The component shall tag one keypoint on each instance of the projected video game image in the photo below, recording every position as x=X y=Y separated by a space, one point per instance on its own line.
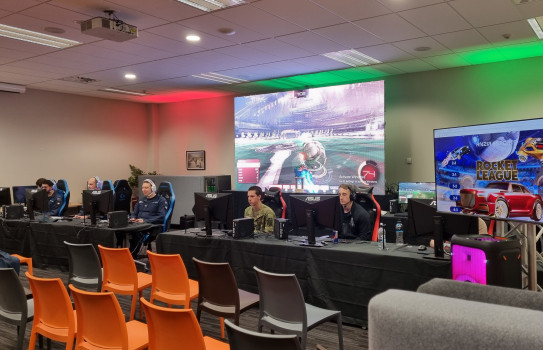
x=424 y=190
x=491 y=169
x=322 y=137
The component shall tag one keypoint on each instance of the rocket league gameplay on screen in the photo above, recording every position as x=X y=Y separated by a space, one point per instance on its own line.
x=316 y=138
x=492 y=169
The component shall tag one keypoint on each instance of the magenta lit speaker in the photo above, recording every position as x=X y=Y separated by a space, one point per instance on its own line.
x=484 y=259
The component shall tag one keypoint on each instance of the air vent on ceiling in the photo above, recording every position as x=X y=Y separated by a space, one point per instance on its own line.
x=78 y=79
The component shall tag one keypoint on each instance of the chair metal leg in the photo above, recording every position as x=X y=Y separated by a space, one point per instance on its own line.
x=340 y=332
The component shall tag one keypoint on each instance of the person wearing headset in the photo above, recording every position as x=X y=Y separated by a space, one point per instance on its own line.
x=356 y=220
x=93 y=183
x=55 y=198
x=151 y=208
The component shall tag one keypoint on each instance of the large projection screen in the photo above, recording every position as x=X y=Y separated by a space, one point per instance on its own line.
x=491 y=169
x=327 y=136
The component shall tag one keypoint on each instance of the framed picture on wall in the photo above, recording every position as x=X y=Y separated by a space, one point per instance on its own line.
x=196 y=160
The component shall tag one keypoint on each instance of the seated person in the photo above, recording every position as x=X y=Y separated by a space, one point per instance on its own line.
x=151 y=208
x=263 y=215
x=356 y=220
x=92 y=184
x=55 y=198
x=40 y=182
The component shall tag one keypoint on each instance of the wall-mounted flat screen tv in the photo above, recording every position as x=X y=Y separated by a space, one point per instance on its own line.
x=322 y=137
x=491 y=169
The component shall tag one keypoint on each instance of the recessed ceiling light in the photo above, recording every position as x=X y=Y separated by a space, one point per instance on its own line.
x=535 y=23
x=211 y=5
x=423 y=48
x=126 y=92
x=352 y=58
x=130 y=76
x=220 y=78
x=35 y=37
x=192 y=37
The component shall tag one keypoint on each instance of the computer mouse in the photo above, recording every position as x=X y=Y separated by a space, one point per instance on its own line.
x=421 y=247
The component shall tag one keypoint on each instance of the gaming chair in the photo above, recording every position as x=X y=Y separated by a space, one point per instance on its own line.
x=364 y=197
x=108 y=185
x=123 y=196
x=165 y=189
x=64 y=190
x=272 y=198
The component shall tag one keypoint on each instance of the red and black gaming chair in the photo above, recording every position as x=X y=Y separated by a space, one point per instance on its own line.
x=272 y=198
x=364 y=197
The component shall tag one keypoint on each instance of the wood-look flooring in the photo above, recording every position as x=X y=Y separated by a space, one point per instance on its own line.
x=354 y=337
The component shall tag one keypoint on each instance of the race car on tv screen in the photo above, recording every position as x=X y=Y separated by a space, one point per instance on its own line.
x=503 y=200
x=531 y=147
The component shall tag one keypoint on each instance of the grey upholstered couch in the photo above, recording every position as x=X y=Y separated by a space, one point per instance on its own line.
x=446 y=314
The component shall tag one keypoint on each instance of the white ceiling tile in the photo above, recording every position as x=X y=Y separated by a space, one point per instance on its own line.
x=409 y=46
x=312 y=42
x=477 y=12
x=465 y=40
x=279 y=49
x=446 y=61
x=401 y=5
x=386 y=53
x=353 y=10
x=436 y=19
x=315 y=16
x=258 y=20
x=390 y=28
x=166 y=9
x=412 y=66
x=211 y=24
x=178 y=32
x=349 y=35
x=519 y=31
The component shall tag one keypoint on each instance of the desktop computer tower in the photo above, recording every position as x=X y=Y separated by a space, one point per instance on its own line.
x=243 y=228
x=12 y=212
x=484 y=259
x=117 y=219
x=394 y=206
x=281 y=228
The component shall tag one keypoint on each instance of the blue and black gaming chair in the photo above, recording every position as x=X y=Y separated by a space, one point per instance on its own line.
x=64 y=190
x=123 y=195
x=108 y=185
x=165 y=189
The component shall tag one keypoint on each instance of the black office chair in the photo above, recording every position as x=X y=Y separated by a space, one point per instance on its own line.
x=108 y=185
x=123 y=196
x=64 y=190
x=272 y=198
x=165 y=189
x=364 y=197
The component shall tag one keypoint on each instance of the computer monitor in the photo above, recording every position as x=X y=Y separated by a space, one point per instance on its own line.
x=97 y=202
x=421 y=227
x=19 y=193
x=213 y=207
x=423 y=190
x=315 y=214
x=36 y=200
x=5 y=196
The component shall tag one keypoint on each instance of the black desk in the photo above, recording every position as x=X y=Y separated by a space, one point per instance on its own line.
x=343 y=276
x=44 y=242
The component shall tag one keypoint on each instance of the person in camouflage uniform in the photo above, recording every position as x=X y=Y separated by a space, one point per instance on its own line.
x=263 y=215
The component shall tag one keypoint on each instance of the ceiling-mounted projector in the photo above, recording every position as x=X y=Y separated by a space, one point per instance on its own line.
x=109 y=28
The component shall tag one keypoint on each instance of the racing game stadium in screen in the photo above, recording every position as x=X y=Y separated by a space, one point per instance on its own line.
x=492 y=170
x=326 y=136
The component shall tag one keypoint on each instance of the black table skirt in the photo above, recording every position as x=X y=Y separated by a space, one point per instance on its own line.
x=342 y=277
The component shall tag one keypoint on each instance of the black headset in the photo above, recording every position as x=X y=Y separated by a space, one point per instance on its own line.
x=352 y=192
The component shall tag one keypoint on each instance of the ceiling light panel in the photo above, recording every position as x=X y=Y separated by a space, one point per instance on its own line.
x=211 y=5
x=535 y=23
x=126 y=92
x=35 y=37
x=220 y=78
x=352 y=58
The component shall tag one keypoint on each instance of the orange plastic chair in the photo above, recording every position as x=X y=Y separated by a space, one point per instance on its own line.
x=54 y=316
x=176 y=329
x=121 y=276
x=101 y=323
x=171 y=283
x=25 y=260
